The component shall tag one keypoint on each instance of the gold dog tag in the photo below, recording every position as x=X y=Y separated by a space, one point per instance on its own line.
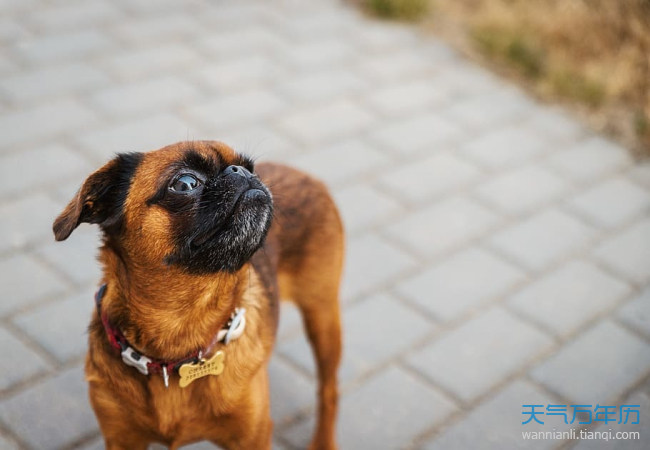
x=194 y=371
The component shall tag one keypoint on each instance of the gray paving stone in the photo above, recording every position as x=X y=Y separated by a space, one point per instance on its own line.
x=638 y=398
x=322 y=84
x=247 y=39
x=26 y=220
x=317 y=21
x=495 y=423
x=625 y=252
x=504 y=147
x=6 y=444
x=57 y=81
x=569 y=296
x=379 y=317
x=637 y=312
x=19 y=271
x=290 y=321
x=371 y=261
x=461 y=283
x=420 y=132
x=406 y=97
x=244 y=72
x=25 y=362
x=486 y=111
x=291 y=392
x=380 y=37
x=589 y=159
x=394 y=66
x=462 y=80
x=63 y=46
x=555 y=125
x=139 y=62
x=388 y=411
x=60 y=327
x=640 y=173
x=62 y=17
x=259 y=142
x=52 y=118
x=542 y=239
x=443 y=226
x=30 y=413
x=362 y=207
x=159 y=28
x=56 y=163
x=612 y=202
x=150 y=133
x=327 y=122
x=473 y=358
x=150 y=95
x=345 y=162
x=314 y=54
x=599 y=353
x=237 y=109
x=12 y=31
x=436 y=175
x=522 y=190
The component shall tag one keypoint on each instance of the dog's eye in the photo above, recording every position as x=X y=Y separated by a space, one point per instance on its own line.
x=185 y=183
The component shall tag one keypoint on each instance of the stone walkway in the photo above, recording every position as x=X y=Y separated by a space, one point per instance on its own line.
x=498 y=252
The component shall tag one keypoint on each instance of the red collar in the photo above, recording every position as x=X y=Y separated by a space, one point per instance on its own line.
x=145 y=365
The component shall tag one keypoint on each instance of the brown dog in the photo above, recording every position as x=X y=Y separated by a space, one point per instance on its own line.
x=192 y=238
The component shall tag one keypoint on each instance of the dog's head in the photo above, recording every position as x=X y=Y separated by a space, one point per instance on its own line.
x=195 y=205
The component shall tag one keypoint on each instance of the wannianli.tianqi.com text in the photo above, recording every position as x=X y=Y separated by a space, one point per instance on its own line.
x=605 y=435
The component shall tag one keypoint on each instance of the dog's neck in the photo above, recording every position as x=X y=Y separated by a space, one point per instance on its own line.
x=174 y=315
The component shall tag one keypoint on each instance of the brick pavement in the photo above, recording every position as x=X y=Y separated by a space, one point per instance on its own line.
x=498 y=252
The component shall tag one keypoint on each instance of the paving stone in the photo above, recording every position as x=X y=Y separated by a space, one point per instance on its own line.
x=362 y=207
x=504 y=147
x=542 y=239
x=236 y=110
x=345 y=162
x=12 y=31
x=387 y=411
x=495 y=423
x=592 y=369
x=71 y=420
x=326 y=122
x=486 y=111
x=612 y=202
x=60 y=327
x=45 y=82
x=462 y=80
x=312 y=55
x=26 y=221
x=363 y=323
x=247 y=39
x=26 y=363
x=291 y=392
x=406 y=97
x=624 y=253
x=640 y=173
x=436 y=175
x=443 y=226
x=139 y=62
x=496 y=342
x=569 y=296
x=6 y=444
x=244 y=72
x=638 y=398
x=419 y=132
x=460 y=283
x=637 y=312
x=290 y=321
x=56 y=163
x=322 y=84
x=381 y=37
x=62 y=17
x=370 y=261
x=144 y=96
x=52 y=118
x=146 y=134
x=19 y=271
x=259 y=142
x=395 y=66
x=555 y=125
x=589 y=159
x=317 y=21
x=51 y=48
x=158 y=28
x=522 y=190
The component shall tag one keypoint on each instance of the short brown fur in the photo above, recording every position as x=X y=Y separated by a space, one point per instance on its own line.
x=168 y=313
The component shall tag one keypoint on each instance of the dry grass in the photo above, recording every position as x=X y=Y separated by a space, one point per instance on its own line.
x=593 y=55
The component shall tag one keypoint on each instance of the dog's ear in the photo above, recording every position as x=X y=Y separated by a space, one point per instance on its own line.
x=101 y=197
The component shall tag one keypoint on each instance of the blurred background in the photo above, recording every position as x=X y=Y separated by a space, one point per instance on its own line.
x=487 y=157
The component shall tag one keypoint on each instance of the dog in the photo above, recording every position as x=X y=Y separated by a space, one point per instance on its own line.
x=198 y=246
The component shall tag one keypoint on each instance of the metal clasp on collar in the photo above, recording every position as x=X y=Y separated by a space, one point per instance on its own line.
x=135 y=359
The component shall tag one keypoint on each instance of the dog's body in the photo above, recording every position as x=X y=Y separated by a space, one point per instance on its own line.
x=171 y=288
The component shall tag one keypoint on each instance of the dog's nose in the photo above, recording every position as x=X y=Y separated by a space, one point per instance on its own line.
x=237 y=170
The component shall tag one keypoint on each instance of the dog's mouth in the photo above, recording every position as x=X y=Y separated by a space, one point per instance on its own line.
x=243 y=200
